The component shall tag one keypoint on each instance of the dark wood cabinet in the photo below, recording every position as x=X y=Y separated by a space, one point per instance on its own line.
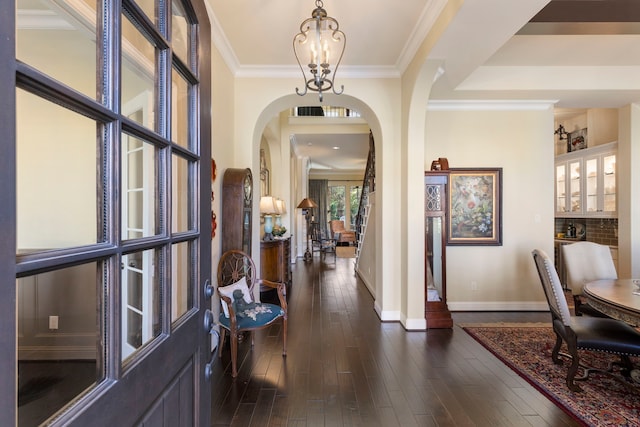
x=275 y=260
x=436 y=190
x=237 y=203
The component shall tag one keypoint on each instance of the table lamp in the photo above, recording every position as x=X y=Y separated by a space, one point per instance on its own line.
x=267 y=209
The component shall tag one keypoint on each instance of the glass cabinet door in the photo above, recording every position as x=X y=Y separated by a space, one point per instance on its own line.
x=575 y=190
x=585 y=183
x=561 y=188
x=591 y=184
x=609 y=183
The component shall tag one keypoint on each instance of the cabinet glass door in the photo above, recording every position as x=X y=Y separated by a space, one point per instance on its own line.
x=591 y=184
x=561 y=188
x=575 y=192
x=609 y=183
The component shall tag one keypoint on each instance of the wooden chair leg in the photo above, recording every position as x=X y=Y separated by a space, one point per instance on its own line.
x=234 y=354
x=556 y=350
x=573 y=369
x=223 y=332
x=284 y=336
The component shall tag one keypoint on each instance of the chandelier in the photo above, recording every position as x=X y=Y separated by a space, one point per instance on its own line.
x=320 y=41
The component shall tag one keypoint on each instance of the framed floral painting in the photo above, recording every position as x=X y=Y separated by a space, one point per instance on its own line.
x=475 y=207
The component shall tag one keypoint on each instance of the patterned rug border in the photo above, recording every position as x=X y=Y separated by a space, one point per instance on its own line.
x=594 y=407
x=506 y=325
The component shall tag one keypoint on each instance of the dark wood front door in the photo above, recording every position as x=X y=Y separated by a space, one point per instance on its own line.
x=105 y=187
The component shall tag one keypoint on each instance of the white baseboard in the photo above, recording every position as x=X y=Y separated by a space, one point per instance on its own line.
x=415 y=324
x=387 y=316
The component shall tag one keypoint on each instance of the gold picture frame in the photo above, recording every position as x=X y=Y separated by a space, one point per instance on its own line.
x=475 y=207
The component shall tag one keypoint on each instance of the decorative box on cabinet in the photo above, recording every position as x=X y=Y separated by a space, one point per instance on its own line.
x=585 y=183
x=275 y=264
x=437 y=313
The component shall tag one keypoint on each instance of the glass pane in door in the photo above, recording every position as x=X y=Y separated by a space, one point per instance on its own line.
x=180 y=31
x=138 y=188
x=59 y=39
x=181 y=194
x=149 y=8
x=180 y=110
x=141 y=319
x=337 y=202
x=181 y=280
x=56 y=197
x=138 y=75
x=59 y=339
x=434 y=265
x=354 y=205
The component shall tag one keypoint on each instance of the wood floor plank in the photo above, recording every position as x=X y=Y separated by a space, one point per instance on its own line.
x=344 y=367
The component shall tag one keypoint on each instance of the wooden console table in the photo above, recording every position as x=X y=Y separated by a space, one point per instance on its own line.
x=275 y=260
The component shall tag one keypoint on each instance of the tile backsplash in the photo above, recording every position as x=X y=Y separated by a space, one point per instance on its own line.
x=603 y=231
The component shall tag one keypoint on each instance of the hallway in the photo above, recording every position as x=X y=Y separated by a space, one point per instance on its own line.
x=344 y=367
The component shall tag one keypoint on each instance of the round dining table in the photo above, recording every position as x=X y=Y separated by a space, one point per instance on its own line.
x=618 y=298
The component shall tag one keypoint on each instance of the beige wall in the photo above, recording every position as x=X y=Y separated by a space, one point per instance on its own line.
x=222 y=139
x=521 y=143
x=601 y=125
x=258 y=101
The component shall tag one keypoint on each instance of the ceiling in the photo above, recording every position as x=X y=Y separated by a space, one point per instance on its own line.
x=577 y=53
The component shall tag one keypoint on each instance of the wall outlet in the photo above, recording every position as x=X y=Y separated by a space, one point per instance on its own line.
x=474 y=285
x=53 y=322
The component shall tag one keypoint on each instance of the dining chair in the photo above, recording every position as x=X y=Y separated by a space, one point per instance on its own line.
x=585 y=262
x=240 y=312
x=584 y=333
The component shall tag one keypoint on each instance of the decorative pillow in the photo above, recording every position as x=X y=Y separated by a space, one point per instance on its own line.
x=227 y=291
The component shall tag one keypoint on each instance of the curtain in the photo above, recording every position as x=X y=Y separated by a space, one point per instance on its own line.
x=319 y=193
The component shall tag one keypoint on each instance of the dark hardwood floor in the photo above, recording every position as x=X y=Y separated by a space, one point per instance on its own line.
x=347 y=368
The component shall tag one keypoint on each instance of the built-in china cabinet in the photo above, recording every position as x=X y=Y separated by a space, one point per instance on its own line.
x=585 y=182
x=437 y=313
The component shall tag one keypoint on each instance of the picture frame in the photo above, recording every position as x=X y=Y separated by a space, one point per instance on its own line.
x=475 y=207
x=577 y=140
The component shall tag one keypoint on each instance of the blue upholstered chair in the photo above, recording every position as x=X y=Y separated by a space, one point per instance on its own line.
x=584 y=333
x=239 y=312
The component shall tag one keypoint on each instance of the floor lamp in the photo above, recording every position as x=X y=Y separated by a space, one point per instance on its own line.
x=306 y=205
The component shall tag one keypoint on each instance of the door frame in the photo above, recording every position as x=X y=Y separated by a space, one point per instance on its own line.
x=97 y=408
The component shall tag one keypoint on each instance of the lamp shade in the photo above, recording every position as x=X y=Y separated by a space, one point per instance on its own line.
x=307 y=203
x=281 y=207
x=267 y=205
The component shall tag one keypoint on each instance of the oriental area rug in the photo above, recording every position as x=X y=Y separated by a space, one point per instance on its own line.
x=527 y=349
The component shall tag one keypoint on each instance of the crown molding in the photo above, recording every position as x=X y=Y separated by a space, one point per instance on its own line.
x=221 y=42
x=429 y=15
x=490 y=105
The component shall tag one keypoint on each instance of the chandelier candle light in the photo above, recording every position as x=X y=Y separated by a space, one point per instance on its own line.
x=320 y=40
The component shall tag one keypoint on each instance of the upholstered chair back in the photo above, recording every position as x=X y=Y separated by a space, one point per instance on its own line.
x=552 y=287
x=586 y=262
